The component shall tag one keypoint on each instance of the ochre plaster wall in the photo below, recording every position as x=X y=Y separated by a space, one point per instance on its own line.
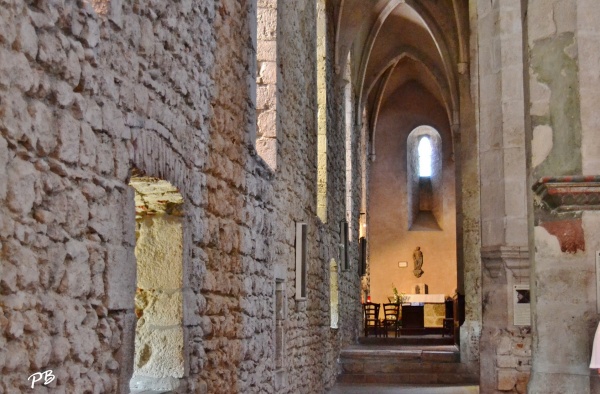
x=390 y=240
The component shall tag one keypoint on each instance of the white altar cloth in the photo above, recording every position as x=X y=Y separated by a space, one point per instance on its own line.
x=425 y=298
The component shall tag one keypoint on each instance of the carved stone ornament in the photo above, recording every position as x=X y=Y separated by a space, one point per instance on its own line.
x=514 y=258
x=569 y=193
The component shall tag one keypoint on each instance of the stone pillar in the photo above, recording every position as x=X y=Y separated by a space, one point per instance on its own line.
x=563 y=80
x=505 y=348
x=266 y=81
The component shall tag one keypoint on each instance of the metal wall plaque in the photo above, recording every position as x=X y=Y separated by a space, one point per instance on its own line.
x=521 y=305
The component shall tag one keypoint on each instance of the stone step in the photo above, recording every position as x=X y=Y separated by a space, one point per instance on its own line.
x=424 y=340
x=404 y=365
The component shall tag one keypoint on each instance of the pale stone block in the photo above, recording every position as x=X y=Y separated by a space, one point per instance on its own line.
x=162 y=308
x=159 y=353
x=267 y=125
x=93 y=115
x=105 y=156
x=43 y=126
x=72 y=69
x=77 y=279
x=542 y=143
x=267 y=24
x=21 y=183
x=3 y=163
x=504 y=346
x=114 y=122
x=15 y=70
x=515 y=196
x=267 y=149
x=565 y=16
x=91 y=33
x=506 y=362
x=194 y=306
x=266 y=97
x=266 y=4
x=158 y=250
x=266 y=51
x=42 y=350
x=507 y=380
x=87 y=150
x=27 y=40
x=69 y=133
x=268 y=73
x=492 y=231
x=77 y=214
x=61 y=348
x=146 y=37
x=126 y=352
x=116 y=12
x=120 y=278
x=541 y=15
x=516 y=230
x=15 y=118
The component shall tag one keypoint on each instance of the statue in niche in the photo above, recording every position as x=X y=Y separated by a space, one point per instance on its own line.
x=418 y=260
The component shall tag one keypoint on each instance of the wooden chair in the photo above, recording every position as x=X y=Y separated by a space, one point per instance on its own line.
x=371 y=315
x=391 y=313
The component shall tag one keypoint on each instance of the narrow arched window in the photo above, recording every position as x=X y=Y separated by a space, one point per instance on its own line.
x=424 y=179
x=425 y=157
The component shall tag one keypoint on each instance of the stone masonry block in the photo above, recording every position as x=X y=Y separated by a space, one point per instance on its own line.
x=69 y=133
x=3 y=162
x=507 y=380
x=27 y=40
x=267 y=24
x=21 y=181
x=120 y=278
x=266 y=51
x=125 y=354
x=267 y=126
x=268 y=73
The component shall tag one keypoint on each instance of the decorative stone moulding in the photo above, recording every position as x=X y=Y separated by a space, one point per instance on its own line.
x=569 y=193
x=515 y=258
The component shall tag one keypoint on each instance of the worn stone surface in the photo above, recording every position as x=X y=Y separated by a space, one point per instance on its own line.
x=90 y=90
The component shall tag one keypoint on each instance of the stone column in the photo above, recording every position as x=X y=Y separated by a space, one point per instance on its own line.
x=563 y=80
x=505 y=348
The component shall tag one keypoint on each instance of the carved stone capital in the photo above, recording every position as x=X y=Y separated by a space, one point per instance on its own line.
x=515 y=258
x=569 y=193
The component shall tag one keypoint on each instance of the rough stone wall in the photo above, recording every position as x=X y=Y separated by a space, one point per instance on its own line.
x=310 y=354
x=88 y=91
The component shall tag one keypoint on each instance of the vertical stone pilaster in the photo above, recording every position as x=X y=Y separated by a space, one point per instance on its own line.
x=505 y=348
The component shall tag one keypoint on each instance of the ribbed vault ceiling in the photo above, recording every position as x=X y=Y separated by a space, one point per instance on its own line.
x=395 y=42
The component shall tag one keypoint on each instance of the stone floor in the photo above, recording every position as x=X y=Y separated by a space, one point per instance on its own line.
x=353 y=388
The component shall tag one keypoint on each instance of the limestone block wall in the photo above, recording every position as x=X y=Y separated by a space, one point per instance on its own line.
x=90 y=90
x=309 y=352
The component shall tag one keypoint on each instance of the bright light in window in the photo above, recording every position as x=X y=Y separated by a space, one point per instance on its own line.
x=424 y=157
